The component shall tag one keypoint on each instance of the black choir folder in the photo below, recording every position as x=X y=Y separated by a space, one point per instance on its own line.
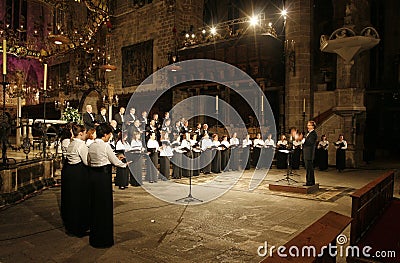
x=339 y=144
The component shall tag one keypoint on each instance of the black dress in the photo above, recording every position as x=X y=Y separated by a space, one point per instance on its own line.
x=296 y=157
x=75 y=198
x=206 y=160
x=340 y=156
x=122 y=176
x=246 y=157
x=177 y=165
x=102 y=224
x=216 y=162
x=322 y=154
x=234 y=160
x=152 y=165
x=196 y=161
x=281 y=157
x=135 y=167
x=225 y=155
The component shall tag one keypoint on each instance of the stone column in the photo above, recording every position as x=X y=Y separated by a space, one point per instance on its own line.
x=298 y=31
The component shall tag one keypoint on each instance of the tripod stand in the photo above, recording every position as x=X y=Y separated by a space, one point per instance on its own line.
x=189 y=198
x=289 y=171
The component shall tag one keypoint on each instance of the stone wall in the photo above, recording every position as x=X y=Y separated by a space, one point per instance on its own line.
x=323 y=101
x=158 y=21
x=298 y=80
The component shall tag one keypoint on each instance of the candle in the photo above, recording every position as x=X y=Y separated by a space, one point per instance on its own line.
x=262 y=104
x=45 y=77
x=216 y=103
x=304 y=105
x=4 y=57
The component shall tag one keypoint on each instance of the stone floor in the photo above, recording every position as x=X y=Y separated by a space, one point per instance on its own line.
x=228 y=229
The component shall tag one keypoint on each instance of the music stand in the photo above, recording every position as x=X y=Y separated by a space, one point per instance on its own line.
x=189 y=198
x=289 y=171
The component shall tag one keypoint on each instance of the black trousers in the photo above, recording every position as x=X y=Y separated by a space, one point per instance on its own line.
x=310 y=178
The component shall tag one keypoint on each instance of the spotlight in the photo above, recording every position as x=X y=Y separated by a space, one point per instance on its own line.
x=213 y=31
x=254 y=20
x=284 y=13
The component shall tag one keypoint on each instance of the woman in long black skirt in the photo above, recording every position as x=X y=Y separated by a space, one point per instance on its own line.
x=75 y=198
x=216 y=162
x=206 y=155
x=165 y=156
x=269 y=150
x=196 y=151
x=101 y=156
x=152 y=149
x=225 y=153
x=135 y=156
x=246 y=153
x=234 y=145
x=177 y=157
x=322 y=152
x=282 y=153
x=258 y=145
x=187 y=156
x=122 y=174
x=297 y=149
x=341 y=146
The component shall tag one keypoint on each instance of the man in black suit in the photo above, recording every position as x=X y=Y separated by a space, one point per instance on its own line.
x=309 y=152
x=131 y=117
x=119 y=117
x=102 y=117
x=89 y=119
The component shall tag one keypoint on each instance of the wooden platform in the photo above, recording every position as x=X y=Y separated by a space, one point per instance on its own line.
x=293 y=188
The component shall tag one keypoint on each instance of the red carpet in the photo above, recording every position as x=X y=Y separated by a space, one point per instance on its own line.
x=384 y=236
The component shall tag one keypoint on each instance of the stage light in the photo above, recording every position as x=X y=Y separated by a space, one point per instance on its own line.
x=213 y=31
x=254 y=20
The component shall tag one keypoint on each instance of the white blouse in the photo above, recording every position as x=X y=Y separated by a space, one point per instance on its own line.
x=234 y=141
x=247 y=143
x=344 y=142
x=77 y=152
x=226 y=144
x=153 y=144
x=259 y=143
x=323 y=145
x=206 y=143
x=100 y=154
x=136 y=145
x=269 y=142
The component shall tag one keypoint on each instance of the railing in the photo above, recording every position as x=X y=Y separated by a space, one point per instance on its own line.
x=323 y=116
x=368 y=203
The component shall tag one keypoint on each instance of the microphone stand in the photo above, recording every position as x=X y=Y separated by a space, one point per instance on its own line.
x=189 y=198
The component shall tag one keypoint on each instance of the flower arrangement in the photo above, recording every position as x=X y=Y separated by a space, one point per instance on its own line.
x=71 y=115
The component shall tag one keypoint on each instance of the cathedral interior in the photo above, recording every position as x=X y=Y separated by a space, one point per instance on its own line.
x=118 y=44
x=336 y=62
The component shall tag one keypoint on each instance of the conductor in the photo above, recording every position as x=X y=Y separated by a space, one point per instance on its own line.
x=309 y=152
